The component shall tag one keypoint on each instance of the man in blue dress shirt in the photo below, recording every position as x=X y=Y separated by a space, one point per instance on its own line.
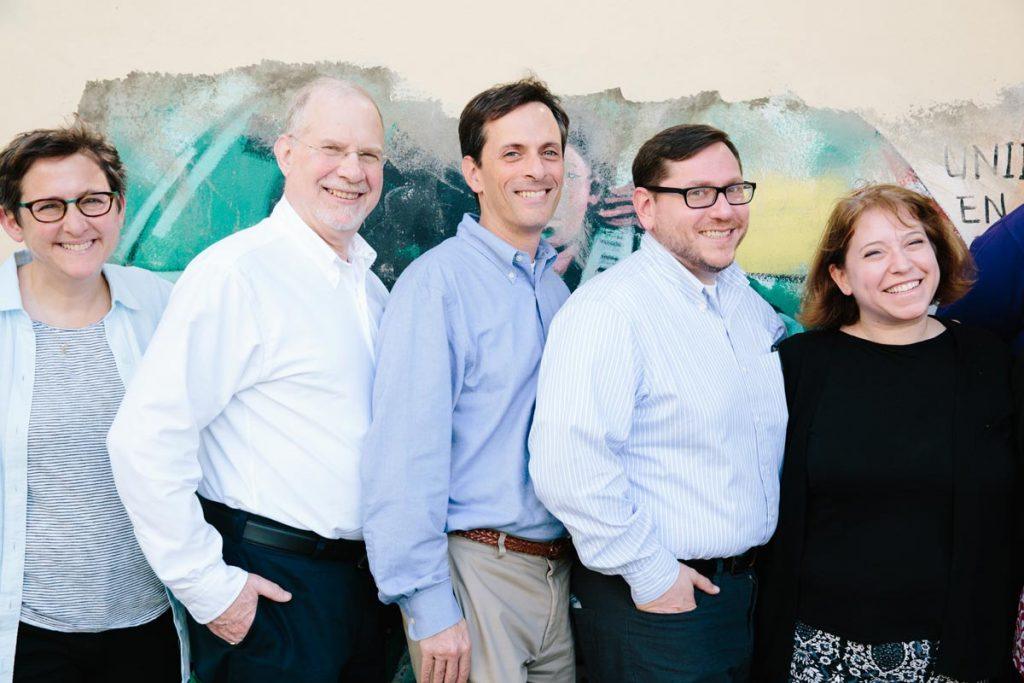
x=454 y=531
x=660 y=424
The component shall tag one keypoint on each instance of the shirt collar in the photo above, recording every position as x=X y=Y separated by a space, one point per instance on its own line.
x=669 y=266
x=500 y=252
x=361 y=254
x=10 y=292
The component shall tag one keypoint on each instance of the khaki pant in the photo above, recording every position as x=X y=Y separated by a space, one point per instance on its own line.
x=517 y=609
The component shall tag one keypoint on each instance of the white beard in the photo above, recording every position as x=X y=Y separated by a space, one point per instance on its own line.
x=330 y=218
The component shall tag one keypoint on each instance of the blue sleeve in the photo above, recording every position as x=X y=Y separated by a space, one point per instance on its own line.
x=407 y=456
x=996 y=301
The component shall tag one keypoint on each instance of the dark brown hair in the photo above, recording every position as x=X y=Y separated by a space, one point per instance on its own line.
x=495 y=102
x=50 y=143
x=825 y=306
x=677 y=143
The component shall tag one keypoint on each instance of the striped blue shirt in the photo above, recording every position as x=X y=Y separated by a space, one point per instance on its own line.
x=660 y=419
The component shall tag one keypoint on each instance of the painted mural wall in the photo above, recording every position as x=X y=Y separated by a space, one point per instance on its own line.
x=198 y=154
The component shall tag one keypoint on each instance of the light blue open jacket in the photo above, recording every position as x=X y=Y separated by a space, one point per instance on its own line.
x=138 y=299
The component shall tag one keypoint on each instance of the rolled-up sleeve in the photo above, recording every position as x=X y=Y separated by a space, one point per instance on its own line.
x=590 y=381
x=206 y=348
x=406 y=462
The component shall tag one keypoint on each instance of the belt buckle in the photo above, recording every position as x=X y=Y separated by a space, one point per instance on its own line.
x=742 y=563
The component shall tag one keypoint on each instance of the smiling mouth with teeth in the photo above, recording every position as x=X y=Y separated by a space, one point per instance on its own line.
x=341 y=194
x=531 y=194
x=716 y=234
x=904 y=287
x=81 y=246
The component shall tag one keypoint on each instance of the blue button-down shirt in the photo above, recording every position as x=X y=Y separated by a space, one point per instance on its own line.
x=458 y=354
x=661 y=419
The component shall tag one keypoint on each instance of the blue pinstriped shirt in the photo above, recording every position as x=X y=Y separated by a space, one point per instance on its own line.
x=661 y=419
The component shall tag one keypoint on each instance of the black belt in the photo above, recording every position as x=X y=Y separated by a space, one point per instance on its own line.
x=245 y=526
x=724 y=565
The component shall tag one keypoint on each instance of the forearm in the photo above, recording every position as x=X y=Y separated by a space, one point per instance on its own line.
x=408 y=553
x=405 y=496
x=158 y=492
x=611 y=533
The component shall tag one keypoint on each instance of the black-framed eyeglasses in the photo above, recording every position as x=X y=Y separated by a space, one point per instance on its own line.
x=52 y=209
x=703 y=196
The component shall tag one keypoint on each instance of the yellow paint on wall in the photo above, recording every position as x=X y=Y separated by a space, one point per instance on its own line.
x=786 y=220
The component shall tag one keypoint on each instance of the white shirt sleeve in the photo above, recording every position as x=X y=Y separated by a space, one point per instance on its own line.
x=591 y=380
x=205 y=350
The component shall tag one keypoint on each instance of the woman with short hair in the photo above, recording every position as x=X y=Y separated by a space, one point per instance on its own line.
x=892 y=556
x=78 y=601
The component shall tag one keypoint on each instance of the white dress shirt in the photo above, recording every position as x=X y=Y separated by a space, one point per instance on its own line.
x=661 y=419
x=255 y=392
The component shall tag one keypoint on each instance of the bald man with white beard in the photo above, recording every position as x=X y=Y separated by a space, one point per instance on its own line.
x=237 y=447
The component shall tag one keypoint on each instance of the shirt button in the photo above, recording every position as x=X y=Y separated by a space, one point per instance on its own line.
x=511 y=276
x=517 y=258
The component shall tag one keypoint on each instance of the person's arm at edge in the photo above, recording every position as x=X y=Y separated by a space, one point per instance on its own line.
x=407 y=456
x=996 y=300
x=196 y=360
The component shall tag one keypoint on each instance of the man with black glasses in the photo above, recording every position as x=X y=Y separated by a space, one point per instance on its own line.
x=660 y=423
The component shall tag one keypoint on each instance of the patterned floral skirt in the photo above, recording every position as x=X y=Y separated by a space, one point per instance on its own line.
x=821 y=657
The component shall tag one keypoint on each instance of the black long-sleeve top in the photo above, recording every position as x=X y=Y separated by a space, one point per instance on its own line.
x=879 y=487
x=977 y=605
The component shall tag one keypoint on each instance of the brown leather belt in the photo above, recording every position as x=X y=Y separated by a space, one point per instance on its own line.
x=552 y=550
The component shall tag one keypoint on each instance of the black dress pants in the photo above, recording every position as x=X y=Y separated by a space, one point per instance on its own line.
x=149 y=652
x=619 y=643
x=330 y=631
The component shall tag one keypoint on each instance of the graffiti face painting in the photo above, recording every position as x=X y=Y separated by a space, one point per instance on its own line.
x=198 y=150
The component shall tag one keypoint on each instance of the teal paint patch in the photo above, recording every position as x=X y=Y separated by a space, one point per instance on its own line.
x=200 y=167
x=783 y=294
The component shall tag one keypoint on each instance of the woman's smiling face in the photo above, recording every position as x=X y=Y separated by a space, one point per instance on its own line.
x=890 y=268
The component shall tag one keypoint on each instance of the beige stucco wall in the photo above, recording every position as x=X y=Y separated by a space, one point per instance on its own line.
x=880 y=56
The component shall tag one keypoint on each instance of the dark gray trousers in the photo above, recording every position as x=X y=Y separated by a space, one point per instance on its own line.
x=621 y=644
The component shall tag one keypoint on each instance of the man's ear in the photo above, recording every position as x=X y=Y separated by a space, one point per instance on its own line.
x=839 y=277
x=283 y=151
x=10 y=224
x=645 y=207
x=471 y=172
